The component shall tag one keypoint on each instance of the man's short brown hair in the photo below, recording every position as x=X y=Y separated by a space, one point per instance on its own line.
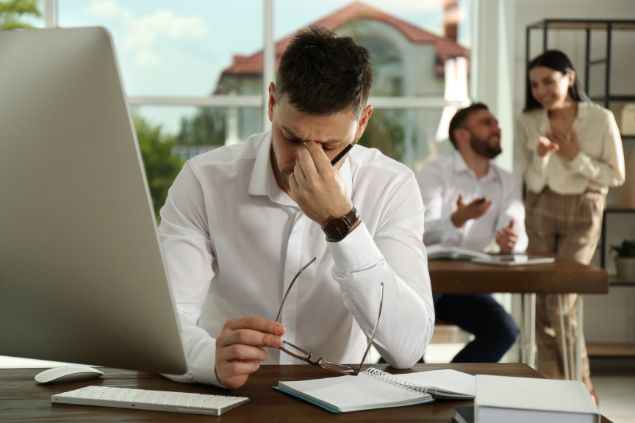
x=460 y=118
x=323 y=74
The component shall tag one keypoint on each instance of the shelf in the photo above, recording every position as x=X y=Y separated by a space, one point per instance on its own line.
x=614 y=98
x=611 y=350
x=582 y=24
x=614 y=281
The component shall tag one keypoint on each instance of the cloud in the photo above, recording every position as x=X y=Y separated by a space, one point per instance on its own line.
x=145 y=32
x=107 y=9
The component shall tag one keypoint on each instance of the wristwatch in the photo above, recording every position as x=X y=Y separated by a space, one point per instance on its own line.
x=336 y=228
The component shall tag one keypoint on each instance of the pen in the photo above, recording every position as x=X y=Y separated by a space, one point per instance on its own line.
x=342 y=153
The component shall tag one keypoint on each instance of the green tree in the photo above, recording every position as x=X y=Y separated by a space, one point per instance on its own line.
x=207 y=127
x=161 y=165
x=12 y=10
x=385 y=132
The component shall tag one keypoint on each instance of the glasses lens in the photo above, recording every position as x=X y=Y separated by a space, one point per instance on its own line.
x=335 y=367
x=294 y=351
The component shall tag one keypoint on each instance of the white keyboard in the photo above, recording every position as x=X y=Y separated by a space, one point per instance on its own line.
x=140 y=399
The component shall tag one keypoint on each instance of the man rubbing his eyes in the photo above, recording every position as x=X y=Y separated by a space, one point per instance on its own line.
x=242 y=220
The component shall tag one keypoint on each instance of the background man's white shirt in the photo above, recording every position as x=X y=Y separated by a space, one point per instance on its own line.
x=233 y=241
x=444 y=178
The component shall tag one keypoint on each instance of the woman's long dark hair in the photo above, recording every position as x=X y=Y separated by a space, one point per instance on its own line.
x=556 y=60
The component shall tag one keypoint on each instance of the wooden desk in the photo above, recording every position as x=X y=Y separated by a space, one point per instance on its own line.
x=563 y=276
x=22 y=399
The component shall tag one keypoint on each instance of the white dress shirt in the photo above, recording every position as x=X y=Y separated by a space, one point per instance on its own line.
x=444 y=178
x=598 y=166
x=233 y=241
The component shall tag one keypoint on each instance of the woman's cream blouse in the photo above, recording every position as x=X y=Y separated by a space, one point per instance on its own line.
x=598 y=166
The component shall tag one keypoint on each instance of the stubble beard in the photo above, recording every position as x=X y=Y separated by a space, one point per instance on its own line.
x=282 y=171
x=483 y=148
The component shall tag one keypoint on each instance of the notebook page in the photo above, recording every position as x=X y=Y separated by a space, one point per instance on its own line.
x=354 y=392
x=444 y=380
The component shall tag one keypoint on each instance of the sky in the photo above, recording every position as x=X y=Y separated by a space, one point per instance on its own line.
x=179 y=48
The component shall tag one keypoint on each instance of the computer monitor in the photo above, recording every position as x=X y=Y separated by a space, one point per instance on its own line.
x=82 y=278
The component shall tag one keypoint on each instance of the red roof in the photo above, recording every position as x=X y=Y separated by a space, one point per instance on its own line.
x=446 y=48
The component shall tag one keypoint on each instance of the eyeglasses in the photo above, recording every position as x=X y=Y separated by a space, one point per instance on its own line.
x=300 y=354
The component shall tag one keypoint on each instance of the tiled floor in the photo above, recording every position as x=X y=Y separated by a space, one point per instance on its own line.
x=614 y=380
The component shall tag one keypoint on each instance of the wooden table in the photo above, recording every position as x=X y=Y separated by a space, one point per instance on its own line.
x=564 y=276
x=22 y=399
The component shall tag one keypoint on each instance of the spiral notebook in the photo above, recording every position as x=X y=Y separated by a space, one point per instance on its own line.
x=376 y=389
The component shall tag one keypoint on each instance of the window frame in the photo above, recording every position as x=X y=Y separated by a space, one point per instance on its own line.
x=268 y=75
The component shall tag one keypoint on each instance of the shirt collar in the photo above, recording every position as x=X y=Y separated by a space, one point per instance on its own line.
x=461 y=166
x=263 y=181
x=545 y=126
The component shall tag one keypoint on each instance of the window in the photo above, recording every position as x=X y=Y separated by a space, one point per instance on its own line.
x=196 y=68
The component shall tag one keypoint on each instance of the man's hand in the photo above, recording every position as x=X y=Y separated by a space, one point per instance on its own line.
x=318 y=189
x=566 y=148
x=465 y=212
x=506 y=238
x=545 y=146
x=241 y=346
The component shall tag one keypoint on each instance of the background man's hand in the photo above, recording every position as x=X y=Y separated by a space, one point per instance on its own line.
x=465 y=212
x=506 y=238
x=568 y=148
x=241 y=346
x=318 y=189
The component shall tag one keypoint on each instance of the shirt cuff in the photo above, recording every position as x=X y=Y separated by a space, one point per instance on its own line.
x=448 y=227
x=581 y=160
x=356 y=252
x=204 y=367
x=541 y=162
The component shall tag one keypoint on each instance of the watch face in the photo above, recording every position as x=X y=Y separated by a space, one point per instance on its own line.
x=336 y=228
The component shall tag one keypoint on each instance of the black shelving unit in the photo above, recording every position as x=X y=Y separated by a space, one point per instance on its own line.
x=589 y=25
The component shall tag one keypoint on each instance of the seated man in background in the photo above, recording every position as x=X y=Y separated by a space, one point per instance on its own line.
x=469 y=203
x=241 y=221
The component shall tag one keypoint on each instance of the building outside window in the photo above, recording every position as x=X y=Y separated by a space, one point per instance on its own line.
x=195 y=71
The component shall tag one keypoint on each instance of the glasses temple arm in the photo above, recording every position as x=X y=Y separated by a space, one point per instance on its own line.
x=289 y=289
x=370 y=341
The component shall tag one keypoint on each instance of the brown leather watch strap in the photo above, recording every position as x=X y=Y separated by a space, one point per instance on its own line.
x=350 y=220
x=352 y=217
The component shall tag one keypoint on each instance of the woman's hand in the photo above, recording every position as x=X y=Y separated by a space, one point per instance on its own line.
x=566 y=148
x=545 y=146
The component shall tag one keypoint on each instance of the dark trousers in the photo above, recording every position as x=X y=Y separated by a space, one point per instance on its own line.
x=479 y=314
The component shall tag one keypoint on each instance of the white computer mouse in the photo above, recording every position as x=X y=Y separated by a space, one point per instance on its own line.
x=67 y=374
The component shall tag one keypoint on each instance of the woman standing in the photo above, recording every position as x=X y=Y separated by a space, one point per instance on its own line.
x=571 y=152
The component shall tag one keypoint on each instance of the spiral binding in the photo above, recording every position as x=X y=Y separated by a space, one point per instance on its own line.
x=394 y=380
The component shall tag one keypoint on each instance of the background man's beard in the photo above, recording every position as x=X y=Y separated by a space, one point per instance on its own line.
x=482 y=147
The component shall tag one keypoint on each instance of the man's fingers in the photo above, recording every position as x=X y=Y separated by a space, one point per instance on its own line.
x=237 y=368
x=242 y=352
x=251 y=338
x=293 y=183
x=256 y=323
x=307 y=160
x=320 y=160
x=300 y=175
